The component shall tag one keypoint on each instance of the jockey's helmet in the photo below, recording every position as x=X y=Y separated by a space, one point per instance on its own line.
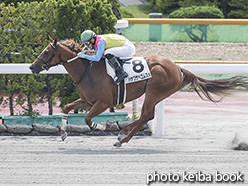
x=87 y=35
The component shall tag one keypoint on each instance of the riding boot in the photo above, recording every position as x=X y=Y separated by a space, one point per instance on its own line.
x=120 y=73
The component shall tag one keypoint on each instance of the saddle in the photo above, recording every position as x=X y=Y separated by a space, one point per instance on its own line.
x=124 y=60
x=137 y=70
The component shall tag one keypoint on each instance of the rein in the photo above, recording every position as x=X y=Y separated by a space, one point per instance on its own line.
x=82 y=76
x=46 y=65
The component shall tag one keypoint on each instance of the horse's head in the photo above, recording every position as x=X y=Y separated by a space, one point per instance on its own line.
x=48 y=58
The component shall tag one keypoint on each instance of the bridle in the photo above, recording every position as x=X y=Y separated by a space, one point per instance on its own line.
x=47 y=65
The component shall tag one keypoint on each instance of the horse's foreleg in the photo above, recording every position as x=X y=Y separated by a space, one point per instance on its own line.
x=97 y=109
x=78 y=104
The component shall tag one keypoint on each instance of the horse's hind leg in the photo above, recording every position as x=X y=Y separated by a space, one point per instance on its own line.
x=78 y=104
x=147 y=115
x=155 y=92
x=127 y=129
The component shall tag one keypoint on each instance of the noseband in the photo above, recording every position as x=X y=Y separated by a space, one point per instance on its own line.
x=46 y=65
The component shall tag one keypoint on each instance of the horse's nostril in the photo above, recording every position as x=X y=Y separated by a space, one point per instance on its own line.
x=31 y=67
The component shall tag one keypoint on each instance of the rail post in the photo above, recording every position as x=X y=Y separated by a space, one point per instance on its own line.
x=160 y=119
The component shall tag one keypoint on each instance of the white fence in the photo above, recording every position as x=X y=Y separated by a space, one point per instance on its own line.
x=193 y=66
x=21 y=68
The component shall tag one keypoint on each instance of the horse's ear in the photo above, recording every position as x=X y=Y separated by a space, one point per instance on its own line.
x=55 y=41
x=48 y=36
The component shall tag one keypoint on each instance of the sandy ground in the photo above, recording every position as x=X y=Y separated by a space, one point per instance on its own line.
x=198 y=137
x=194 y=51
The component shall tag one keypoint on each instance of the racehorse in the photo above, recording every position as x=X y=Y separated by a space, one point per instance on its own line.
x=98 y=91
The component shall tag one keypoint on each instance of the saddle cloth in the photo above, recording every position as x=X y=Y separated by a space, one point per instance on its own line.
x=137 y=70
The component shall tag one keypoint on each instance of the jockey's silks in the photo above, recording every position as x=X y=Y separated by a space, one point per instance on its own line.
x=105 y=42
x=112 y=40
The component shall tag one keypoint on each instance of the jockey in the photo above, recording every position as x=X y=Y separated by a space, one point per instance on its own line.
x=109 y=45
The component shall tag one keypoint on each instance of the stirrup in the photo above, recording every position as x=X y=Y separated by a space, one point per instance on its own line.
x=119 y=79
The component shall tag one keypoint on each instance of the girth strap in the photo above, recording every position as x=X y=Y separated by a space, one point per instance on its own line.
x=82 y=76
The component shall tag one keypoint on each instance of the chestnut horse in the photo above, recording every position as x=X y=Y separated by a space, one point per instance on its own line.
x=167 y=78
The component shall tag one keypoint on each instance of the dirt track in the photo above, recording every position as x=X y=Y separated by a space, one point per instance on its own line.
x=198 y=138
x=93 y=160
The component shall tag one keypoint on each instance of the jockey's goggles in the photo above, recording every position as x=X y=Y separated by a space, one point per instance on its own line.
x=88 y=43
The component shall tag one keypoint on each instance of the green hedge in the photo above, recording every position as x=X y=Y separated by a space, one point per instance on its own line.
x=197 y=12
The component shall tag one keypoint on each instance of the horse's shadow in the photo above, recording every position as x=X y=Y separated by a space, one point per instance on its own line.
x=110 y=151
x=113 y=151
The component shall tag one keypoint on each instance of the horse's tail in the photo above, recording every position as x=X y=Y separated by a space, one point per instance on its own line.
x=220 y=87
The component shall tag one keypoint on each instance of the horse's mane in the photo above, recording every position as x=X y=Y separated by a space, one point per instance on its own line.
x=71 y=44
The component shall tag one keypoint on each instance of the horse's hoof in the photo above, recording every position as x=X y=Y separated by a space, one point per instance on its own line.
x=121 y=136
x=117 y=144
x=64 y=136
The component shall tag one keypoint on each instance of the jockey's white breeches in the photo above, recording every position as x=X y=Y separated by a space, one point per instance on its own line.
x=126 y=50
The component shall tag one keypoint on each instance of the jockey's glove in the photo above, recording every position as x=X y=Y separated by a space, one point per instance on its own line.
x=81 y=54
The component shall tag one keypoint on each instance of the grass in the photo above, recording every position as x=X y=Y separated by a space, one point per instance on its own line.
x=136 y=11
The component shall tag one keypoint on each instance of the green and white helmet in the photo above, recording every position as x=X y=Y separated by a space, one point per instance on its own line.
x=87 y=35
